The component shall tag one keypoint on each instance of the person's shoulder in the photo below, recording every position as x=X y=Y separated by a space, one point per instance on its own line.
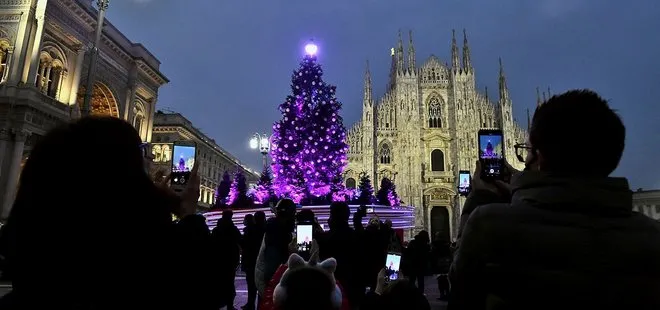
x=491 y=211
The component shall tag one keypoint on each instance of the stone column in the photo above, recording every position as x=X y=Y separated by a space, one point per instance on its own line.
x=150 y=114
x=75 y=84
x=46 y=78
x=40 y=79
x=12 y=177
x=34 y=53
x=61 y=75
x=5 y=73
x=129 y=104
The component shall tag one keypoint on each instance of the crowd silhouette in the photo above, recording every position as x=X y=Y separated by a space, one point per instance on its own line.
x=561 y=234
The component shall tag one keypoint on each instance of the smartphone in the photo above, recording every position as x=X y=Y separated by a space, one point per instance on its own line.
x=464 y=182
x=184 y=155
x=304 y=238
x=392 y=266
x=491 y=153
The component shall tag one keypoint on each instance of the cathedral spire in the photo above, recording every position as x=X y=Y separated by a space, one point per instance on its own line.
x=549 y=93
x=544 y=100
x=486 y=91
x=529 y=122
x=504 y=90
x=392 y=69
x=454 y=51
x=411 y=54
x=538 y=98
x=467 y=59
x=399 y=54
x=367 y=86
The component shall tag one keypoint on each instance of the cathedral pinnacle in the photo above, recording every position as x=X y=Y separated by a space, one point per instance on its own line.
x=538 y=98
x=529 y=122
x=467 y=59
x=504 y=90
x=411 y=53
x=367 y=85
x=454 y=51
x=399 y=54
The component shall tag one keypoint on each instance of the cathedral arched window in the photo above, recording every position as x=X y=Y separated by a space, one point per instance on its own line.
x=437 y=160
x=385 y=154
x=435 y=115
x=350 y=183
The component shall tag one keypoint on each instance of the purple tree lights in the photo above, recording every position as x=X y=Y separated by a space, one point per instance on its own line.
x=387 y=195
x=238 y=191
x=308 y=144
x=265 y=193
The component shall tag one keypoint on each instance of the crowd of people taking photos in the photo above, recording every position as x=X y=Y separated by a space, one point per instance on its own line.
x=561 y=233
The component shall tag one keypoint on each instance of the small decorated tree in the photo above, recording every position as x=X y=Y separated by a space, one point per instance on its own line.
x=393 y=197
x=223 y=189
x=366 y=190
x=384 y=191
x=238 y=192
x=265 y=193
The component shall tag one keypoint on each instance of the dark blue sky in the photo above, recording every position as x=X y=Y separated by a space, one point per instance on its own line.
x=230 y=61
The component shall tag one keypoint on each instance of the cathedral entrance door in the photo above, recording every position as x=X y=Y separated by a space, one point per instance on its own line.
x=440 y=223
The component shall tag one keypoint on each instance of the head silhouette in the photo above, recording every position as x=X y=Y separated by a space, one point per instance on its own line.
x=260 y=218
x=565 y=140
x=83 y=199
x=248 y=220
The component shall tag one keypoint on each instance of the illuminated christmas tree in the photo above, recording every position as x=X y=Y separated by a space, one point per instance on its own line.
x=308 y=144
x=387 y=195
x=265 y=193
x=238 y=192
x=366 y=190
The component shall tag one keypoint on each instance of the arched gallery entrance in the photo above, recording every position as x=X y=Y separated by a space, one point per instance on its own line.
x=102 y=103
x=440 y=223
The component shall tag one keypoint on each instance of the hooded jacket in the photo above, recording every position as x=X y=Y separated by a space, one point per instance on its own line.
x=560 y=241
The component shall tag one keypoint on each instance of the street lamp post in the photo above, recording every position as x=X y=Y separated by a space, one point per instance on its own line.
x=262 y=143
x=93 y=55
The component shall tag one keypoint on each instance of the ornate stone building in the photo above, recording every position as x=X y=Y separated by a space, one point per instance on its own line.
x=423 y=130
x=43 y=70
x=647 y=202
x=214 y=160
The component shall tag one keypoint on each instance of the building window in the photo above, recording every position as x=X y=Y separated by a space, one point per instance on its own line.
x=350 y=183
x=5 y=55
x=437 y=160
x=435 y=116
x=50 y=73
x=385 y=154
x=138 y=117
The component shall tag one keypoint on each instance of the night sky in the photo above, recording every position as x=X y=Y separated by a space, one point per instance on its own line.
x=230 y=61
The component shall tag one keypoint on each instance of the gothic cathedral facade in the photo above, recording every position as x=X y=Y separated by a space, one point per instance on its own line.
x=423 y=130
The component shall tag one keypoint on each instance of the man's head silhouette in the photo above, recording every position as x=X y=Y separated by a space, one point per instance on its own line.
x=576 y=134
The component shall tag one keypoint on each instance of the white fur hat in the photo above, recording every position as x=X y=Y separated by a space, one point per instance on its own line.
x=296 y=262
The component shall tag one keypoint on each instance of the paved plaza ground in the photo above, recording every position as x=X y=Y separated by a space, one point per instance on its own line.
x=241 y=292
